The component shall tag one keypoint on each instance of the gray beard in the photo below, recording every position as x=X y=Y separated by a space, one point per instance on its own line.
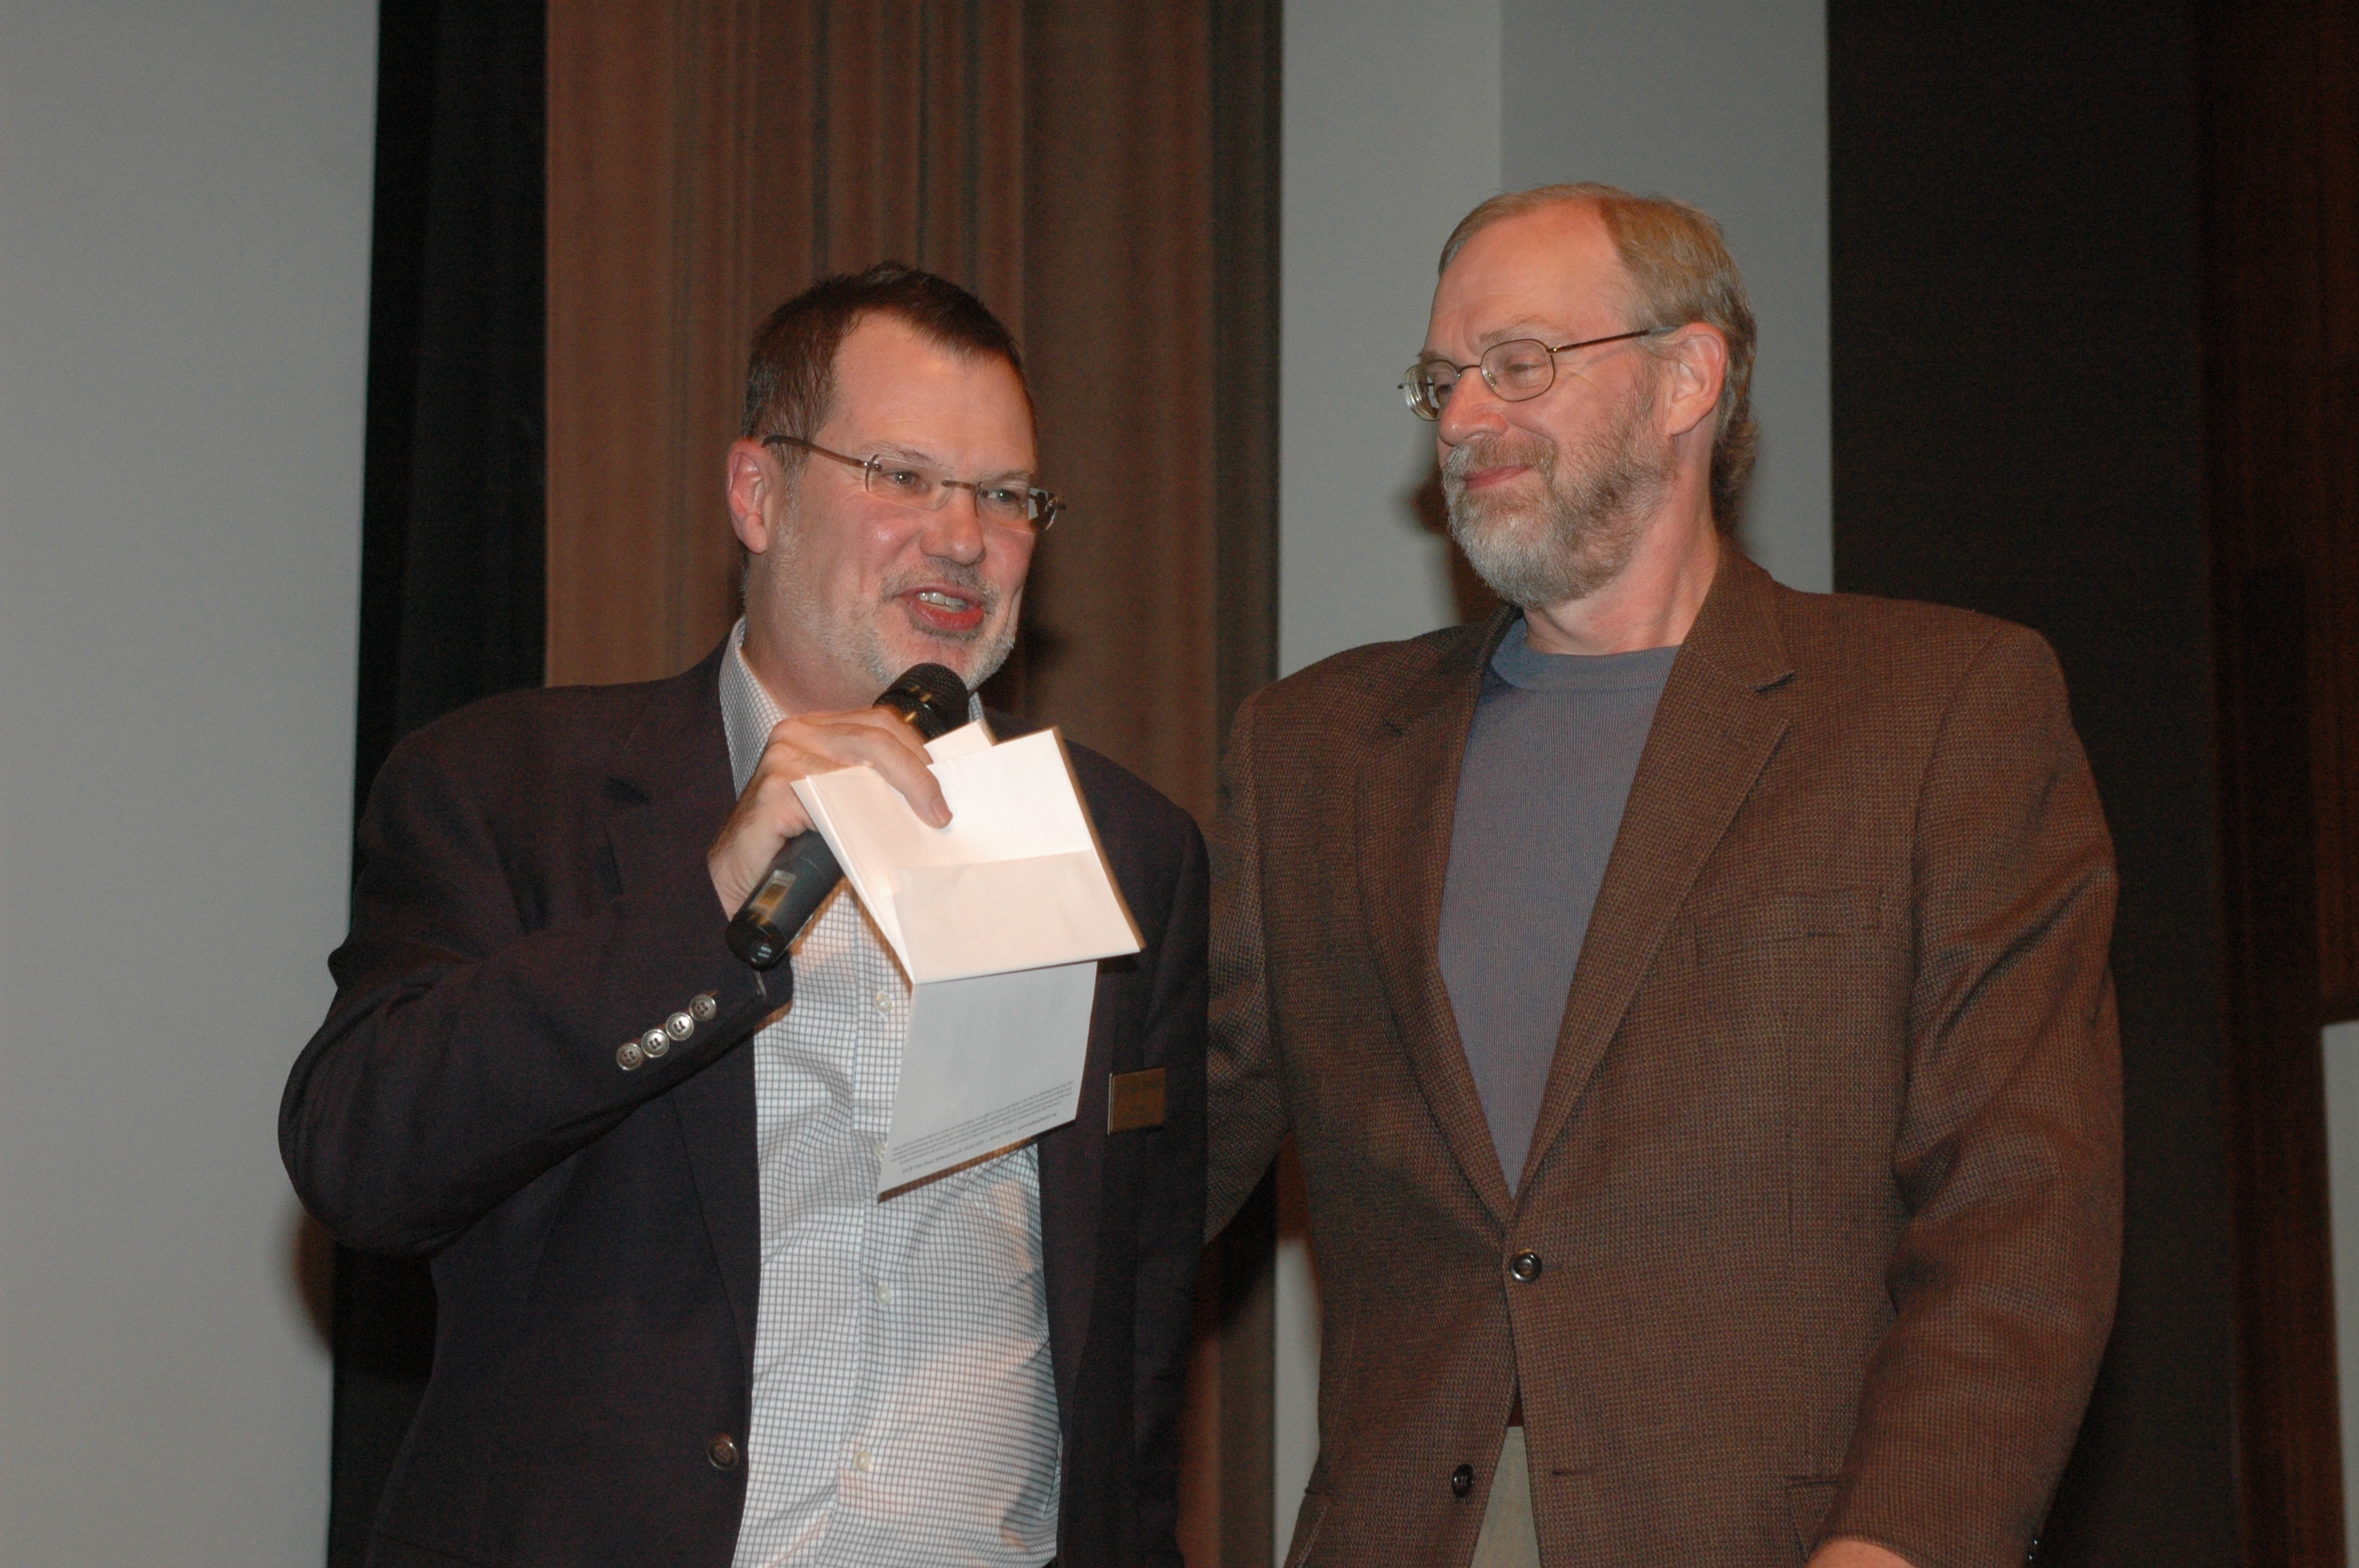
x=1581 y=533
x=861 y=644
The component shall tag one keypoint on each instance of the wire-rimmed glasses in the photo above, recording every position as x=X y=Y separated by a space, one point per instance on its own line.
x=1516 y=370
x=905 y=482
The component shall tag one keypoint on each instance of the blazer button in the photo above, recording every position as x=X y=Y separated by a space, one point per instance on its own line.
x=680 y=1026
x=706 y=1007
x=722 y=1450
x=1461 y=1480
x=1524 y=1266
x=653 y=1043
x=628 y=1056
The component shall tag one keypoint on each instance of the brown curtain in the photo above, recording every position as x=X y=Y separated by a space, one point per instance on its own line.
x=1102 y=173
x=710 y=158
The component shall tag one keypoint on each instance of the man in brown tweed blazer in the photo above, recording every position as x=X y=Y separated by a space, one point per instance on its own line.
x=1765 y=1209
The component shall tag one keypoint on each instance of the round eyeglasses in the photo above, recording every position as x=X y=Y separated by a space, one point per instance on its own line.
x=1518 y=369
x=904 y=483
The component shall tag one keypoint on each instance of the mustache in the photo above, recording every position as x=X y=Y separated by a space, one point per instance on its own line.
x=1496 y=451
x=959 y=575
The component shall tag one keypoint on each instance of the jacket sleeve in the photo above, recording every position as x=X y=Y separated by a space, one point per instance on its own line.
x=471 y=1048
x=2008 y=1155
x=1246 y=1090
x=1171 y=1213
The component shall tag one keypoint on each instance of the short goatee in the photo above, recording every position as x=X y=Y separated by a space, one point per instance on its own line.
x=1581 y=532
x=856 y=641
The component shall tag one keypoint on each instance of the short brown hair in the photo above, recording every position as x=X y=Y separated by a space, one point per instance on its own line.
x=790 y=372
x=1681 y=271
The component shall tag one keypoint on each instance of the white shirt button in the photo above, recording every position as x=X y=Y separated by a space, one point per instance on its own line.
x=883 y=1295
x=860 y=1462
x=883 y=1001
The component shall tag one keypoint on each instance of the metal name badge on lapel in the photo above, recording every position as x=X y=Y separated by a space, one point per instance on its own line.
x=1135 y=1101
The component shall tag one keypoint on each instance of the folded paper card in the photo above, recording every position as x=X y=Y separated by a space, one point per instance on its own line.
x=999 y=920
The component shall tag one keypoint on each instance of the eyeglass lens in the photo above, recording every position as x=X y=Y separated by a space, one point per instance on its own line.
x=1519 y=369
x=913 y=484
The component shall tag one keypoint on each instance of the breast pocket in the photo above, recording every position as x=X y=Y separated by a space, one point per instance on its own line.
x=1786 y=916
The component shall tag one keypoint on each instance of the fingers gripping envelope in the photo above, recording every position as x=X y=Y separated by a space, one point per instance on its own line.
x=999 y=921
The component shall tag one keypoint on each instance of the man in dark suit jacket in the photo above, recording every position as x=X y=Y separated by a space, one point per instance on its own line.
x=1689 y=997
x=643 y=1180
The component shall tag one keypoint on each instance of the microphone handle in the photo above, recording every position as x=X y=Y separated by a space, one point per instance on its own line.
x=800 y=878
x=932 y=699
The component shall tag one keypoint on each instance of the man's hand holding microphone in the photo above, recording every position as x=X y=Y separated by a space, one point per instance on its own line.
x=770 y=869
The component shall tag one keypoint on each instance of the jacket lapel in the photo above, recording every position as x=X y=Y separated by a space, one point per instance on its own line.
x=670 y=779
x=1408 y=799
x=1712 y=734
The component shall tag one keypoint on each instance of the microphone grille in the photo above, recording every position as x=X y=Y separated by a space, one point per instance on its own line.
x=933 y=697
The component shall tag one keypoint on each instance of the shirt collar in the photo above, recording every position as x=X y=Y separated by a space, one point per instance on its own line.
x=747 y=713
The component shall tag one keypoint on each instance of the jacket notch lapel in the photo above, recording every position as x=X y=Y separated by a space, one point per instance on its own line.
x=1408 y=799
x=1712 y=734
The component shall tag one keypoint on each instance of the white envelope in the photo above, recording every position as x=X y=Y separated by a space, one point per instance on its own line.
x=998 y=920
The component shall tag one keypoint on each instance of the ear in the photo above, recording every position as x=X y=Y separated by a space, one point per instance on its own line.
x=1695 y=360
x=754 y=479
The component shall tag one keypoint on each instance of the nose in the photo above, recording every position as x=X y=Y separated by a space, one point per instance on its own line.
x=955 y=530
x=1472 y=409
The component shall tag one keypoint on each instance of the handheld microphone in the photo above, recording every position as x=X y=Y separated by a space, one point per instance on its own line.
x=934 y=702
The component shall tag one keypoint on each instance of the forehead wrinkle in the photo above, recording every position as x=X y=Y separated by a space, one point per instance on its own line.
x=1516 y=330
x=905 y=450
x=1540 y=332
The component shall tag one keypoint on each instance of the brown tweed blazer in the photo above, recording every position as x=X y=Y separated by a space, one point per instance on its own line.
x=1825 y=1193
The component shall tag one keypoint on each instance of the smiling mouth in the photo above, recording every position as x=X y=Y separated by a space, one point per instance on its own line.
x=944 y=610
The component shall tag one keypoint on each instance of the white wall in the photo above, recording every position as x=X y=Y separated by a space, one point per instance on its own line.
x=2342 y=1048
x=1724 y=104
x=1399 y=116
x=1391 y=133
x=184 y=205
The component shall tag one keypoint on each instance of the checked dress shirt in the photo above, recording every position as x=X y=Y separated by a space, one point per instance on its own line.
x=905 y=1411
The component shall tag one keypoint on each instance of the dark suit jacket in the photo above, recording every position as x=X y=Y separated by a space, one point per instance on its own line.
x=534 y=893
x=1822 y=1211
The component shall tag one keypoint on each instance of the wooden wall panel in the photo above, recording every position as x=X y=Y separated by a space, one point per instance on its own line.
x=2280 y=124
x=2283 y=231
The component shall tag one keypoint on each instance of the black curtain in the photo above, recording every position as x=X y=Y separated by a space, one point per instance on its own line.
x=452 y=515
x=2018 y=429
